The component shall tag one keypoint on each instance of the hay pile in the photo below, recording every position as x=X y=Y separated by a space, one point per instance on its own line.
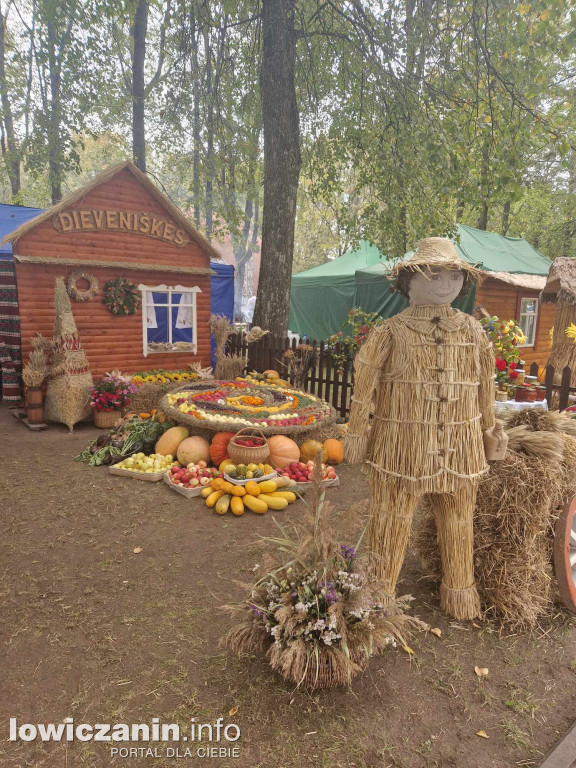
x=67 y=395
x=150 y=394
x=514 y=520
x=227 y=366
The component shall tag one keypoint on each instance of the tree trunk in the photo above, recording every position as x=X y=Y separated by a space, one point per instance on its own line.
x=55 y=115
x=282 y=162
x=210 y=134
x=11 y=153
x=484 y=171
x=138 y=31
x=196 y=141
x=506 y=217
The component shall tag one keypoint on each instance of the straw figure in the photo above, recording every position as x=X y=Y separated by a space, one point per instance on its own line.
x=227 y=366
x=430 y=371
x=560 y=289
x=67 y=397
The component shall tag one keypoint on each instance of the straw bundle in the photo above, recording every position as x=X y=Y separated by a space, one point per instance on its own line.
x=36 y=369
x=67 y=396
x=321 y=613
x=228 y=367
x=513 y=520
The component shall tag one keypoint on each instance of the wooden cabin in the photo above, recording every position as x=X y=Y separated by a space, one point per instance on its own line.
x=119 y=225
x=517 y=297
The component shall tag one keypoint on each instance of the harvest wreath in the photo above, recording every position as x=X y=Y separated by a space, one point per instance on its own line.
x=121 y=296
x=237 y=404
x=81 y=294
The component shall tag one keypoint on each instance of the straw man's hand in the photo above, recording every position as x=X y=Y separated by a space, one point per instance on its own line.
x=495 y=442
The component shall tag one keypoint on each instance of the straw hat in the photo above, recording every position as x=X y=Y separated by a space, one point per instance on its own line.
x=436 y=252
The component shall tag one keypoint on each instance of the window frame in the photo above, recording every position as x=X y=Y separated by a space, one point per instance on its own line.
x=535 y=315
x=169 y=289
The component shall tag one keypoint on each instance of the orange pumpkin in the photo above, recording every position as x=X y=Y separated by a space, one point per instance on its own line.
x=219 y=447
x=334 y=450
x=309 y=450
x=283 y=451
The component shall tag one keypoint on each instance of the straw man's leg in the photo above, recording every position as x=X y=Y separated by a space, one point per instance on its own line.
x=391 y=511
x=454 y=522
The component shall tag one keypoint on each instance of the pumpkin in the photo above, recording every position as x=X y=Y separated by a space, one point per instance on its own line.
x=170 y=440
x=219 y=447
x=309 y=451
x=334 y=450
x=283 y=451
x=192 y=450
x=272 y=374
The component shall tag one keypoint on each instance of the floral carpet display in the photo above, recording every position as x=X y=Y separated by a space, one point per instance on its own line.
x=236 y=404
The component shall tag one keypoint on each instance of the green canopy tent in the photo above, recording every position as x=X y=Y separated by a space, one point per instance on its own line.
x=491 y=251
x=321 y=298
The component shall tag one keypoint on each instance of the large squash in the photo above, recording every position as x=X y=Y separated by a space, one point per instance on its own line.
x=283 y=451
x=192 y=450
x=334 y=450
x=219 y=447
x=309 y=450
x=170 y=440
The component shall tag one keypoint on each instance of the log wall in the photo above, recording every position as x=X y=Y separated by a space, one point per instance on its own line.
x=110 y=341
x=503 y=300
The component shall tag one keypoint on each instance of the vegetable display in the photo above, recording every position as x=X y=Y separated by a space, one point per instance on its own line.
x=132 y=435
x=223 y=496
x=236 y=404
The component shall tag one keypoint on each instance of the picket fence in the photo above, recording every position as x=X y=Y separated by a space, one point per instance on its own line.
x=335 y=383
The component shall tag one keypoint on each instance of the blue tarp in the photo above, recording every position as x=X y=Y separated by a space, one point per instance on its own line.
x=221 y=295
x=11 y=217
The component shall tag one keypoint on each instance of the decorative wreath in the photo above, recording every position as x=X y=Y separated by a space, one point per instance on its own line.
x=121 y=296
x=79 y=294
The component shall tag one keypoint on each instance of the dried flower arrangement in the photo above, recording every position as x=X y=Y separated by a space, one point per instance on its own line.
x=321 y=614
x=299 y=361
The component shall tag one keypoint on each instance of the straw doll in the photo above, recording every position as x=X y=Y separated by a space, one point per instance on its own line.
x=430 y=372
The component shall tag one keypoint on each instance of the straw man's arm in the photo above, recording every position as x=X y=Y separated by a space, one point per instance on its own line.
x=495 y=439
x=367 y=369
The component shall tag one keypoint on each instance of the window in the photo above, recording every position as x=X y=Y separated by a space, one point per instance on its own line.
x=528 y=318
x=169 y=318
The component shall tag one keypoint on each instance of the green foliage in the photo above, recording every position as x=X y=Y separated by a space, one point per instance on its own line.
x=345 y=344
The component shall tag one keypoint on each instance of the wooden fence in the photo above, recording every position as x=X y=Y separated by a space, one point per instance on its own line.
x=335 y=383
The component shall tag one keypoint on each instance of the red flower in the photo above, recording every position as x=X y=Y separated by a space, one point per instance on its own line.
x=513 y=366
x=500 y=364
x=513 y=374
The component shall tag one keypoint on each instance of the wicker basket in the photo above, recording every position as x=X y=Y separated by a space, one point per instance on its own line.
x=106 y=419
x=240 y=454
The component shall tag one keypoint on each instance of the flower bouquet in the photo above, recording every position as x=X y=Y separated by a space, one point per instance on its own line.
x=108 y=396
x=506 y=336
x=320 y=615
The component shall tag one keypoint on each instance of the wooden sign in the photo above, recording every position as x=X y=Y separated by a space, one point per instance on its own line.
x=134 y=222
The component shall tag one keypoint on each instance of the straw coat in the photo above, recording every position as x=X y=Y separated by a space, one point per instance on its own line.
x=430 y=372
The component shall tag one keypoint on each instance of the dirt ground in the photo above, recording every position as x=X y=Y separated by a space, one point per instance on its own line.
x=95 y=632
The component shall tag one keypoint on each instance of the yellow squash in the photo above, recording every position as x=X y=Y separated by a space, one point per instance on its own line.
x=213 y=498
x=223 y=504
x=288 y=495
x=273 y=502
x=255 y=504
x=237 y=506
x=267 y=486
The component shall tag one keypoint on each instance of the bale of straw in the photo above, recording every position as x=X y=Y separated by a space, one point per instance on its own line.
x=150 y=394
x=513 y=533
x=228 y=367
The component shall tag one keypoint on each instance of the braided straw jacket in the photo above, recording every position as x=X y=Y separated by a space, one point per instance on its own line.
x=430 y=372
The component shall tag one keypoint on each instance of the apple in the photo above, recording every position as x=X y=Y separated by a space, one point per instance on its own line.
x=194 y=482
x=202 y=464
x=204 y=481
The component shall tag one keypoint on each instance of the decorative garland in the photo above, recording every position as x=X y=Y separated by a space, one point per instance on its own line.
x=121 y=296
x=79 y=294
